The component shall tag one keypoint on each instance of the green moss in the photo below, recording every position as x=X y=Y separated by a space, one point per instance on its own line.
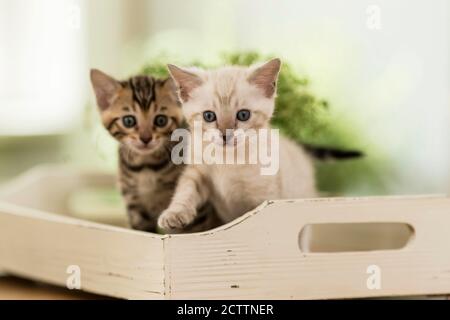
x=306 y=118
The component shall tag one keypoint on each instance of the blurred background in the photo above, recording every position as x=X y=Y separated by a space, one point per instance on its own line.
x=381 y=66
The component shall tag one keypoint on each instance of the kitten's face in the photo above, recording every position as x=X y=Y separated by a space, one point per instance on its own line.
x=140 y=113
x=228 y=98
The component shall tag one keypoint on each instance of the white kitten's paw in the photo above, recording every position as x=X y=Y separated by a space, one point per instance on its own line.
x=176 y=218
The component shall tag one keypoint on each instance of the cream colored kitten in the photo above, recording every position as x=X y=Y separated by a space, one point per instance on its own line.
x=234 y=98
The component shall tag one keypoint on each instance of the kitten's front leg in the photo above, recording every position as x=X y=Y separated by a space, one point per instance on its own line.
x=138 y=217
x=191 y=193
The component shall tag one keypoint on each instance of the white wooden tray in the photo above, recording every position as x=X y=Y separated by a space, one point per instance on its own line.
x=258 y=256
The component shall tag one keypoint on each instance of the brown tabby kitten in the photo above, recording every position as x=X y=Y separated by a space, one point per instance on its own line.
x=141 y=113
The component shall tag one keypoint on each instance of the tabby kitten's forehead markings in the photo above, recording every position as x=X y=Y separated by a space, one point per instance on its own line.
x=143 y=89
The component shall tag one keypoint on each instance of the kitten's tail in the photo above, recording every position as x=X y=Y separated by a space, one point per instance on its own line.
x=323 y=153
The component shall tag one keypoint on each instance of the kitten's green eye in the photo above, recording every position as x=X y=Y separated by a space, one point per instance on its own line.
x=243 y=115
x=209 y=116
x=129 y=121
x=160 y=121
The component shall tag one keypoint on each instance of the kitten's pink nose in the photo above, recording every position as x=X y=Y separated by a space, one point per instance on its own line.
x=145 y=139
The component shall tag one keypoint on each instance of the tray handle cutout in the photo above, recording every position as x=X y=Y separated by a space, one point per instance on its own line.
x=354 y=237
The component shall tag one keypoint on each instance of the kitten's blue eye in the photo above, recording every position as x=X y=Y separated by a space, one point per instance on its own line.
x=129 y=121
x=209 y=116
x=160 y=121
x=243 y=115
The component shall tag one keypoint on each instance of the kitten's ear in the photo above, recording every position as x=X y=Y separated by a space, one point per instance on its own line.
x=186 y=81
x=265 y=77
x=104 y=86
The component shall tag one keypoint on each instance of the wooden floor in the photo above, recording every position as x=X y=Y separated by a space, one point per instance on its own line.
x=12 y=288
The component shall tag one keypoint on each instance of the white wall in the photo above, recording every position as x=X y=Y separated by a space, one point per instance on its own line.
x=41 y=65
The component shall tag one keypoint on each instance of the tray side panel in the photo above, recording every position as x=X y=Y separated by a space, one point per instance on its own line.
x=111 y=261
x=258 y=257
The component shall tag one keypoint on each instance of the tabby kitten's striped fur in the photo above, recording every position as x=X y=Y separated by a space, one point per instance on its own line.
x=141 y=113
